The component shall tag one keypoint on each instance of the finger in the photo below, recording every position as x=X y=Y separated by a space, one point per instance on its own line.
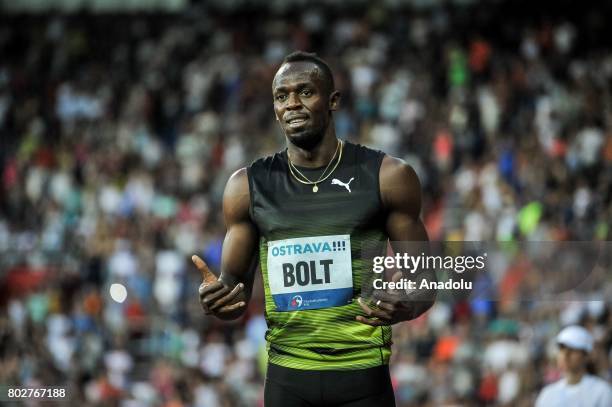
x=232 y=307
x=371 y=322
x=373 y=312
x=390 y=308
x=215 y=295
x=206 y=289
x=364 y=307
x=207 y=275
x=381 y=295
x=394 y=279
x=228 y=298
x=205 y=309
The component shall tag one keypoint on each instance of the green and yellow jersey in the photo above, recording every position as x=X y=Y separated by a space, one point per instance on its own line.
x=310 y=254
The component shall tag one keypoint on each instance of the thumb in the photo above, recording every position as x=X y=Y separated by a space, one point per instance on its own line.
x=207 y=275
x=395 y=278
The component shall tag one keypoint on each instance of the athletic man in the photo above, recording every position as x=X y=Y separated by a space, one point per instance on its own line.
x=306 y=213
x=577 y=388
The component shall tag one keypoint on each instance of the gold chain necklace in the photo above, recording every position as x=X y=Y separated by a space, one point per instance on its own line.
x=293 y=169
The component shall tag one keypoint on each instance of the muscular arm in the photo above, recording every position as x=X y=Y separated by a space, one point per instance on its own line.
x=400 y=191
x=239 y=256
x=227 y=296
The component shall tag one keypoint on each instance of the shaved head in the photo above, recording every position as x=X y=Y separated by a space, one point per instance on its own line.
x=319 y=71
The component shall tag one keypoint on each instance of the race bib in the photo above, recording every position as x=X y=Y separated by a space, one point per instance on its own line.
x=310 y=272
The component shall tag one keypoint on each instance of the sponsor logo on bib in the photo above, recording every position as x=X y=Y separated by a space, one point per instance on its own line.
x=310 y=272
x=296 y=301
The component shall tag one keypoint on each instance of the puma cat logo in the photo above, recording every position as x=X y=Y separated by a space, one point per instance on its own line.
x=336 y=181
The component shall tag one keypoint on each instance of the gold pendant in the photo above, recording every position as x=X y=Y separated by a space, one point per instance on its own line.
x=315 y=188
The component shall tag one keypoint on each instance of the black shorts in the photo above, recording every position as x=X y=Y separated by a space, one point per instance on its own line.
x=328 y=388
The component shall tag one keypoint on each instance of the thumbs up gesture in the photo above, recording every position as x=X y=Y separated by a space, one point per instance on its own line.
x=216 y=297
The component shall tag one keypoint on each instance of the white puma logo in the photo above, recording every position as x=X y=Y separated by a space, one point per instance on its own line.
x=336 y=181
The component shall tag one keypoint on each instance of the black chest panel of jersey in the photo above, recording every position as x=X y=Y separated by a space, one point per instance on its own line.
x=348 y=201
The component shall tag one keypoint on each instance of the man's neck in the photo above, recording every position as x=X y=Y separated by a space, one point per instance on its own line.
x=318 y=156
x=573 y=378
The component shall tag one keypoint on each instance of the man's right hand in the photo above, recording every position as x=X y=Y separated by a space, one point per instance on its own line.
x=217 y=298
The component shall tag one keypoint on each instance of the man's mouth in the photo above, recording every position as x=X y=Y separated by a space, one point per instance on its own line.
x=297 y=121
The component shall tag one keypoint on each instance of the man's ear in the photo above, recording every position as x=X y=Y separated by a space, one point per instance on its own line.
x=334 y=100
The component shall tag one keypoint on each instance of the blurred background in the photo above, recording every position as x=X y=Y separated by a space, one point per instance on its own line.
x=121 y=121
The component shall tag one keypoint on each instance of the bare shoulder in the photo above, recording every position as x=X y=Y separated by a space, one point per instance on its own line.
x=394 y=170
x=236 y=198
x=399 y=185
x=238 y=182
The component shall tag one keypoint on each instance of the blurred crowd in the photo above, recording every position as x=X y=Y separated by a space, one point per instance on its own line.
x=118 y=133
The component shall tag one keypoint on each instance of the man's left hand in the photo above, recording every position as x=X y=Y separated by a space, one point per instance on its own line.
x=386 y=307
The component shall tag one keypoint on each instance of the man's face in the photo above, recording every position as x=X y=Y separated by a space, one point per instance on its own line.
x=302 y=103
x=571 y=360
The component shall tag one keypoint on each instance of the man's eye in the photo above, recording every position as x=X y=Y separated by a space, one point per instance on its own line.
x=307 y=92
x=281 y=98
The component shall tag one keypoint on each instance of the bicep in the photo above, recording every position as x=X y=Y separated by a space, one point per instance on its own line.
x=239 y=254
x=402 y=226
x=401 y=195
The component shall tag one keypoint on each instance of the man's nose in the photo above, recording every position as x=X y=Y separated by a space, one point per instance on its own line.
x=293 y=101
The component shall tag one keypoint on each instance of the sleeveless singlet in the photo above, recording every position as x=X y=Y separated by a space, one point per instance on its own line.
x=310 y=258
